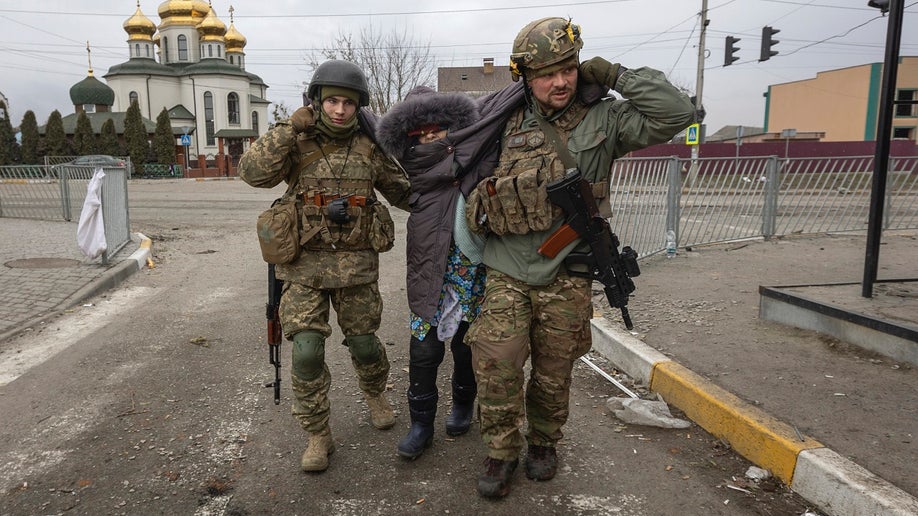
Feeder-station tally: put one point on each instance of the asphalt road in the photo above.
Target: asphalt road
(151, 401)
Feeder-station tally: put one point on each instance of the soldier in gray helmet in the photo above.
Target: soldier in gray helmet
(333, 170)
(534, 308)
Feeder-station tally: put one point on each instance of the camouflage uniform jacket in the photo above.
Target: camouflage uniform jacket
(332, 255)
(596, 134)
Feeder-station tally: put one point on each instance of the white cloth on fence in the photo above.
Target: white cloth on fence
(91, 229)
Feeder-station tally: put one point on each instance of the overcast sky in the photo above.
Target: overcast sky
(42, 43)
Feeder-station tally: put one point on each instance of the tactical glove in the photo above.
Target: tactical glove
(303, 119)
(598, 70)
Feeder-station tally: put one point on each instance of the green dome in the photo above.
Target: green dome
(92, 91)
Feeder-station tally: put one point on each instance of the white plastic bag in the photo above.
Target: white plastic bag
(91, 229)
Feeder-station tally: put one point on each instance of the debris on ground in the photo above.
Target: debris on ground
(645, 412)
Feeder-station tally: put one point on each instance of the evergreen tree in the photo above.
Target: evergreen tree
(108, 140)
(164, 140)
(83, 138)
(56, 143)
(9, 149)
(135, 137)
(30, 139)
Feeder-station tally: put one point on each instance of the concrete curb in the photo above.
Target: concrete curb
(823, 477)
(112, 277)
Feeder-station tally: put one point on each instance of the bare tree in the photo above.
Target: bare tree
(394, 63)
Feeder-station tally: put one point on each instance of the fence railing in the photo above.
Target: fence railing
(704, 201)
(715, 200)
(59, 191)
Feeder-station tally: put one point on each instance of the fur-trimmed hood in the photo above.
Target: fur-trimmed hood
(423, 106)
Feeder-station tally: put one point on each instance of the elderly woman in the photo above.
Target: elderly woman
(447, 143)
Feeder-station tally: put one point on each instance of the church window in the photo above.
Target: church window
(255, 121)
(89, 108)
(219, 51)
(209, 117)
(132, 97)
(136, 49)
(231, 60)
(232, 108)
(210, 51)
(182, 48)
(148, 49)
(165, 49)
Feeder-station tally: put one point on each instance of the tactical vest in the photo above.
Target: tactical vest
(515, 199)
(340, 169)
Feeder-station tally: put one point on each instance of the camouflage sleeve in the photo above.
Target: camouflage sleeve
(270, 159)
(391, 181)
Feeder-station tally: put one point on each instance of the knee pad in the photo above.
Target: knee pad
(364, 348)
(308, 355)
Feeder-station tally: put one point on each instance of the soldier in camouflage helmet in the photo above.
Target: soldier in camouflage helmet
(535, 307)
(333, 169)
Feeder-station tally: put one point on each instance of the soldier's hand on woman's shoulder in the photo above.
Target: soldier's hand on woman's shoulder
(303, 119)
(599, 71)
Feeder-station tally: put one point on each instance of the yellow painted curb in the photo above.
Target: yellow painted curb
(762, 439)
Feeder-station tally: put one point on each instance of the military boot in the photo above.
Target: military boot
(321, 445)
(541, 462)
(380, 412)
(495, 481)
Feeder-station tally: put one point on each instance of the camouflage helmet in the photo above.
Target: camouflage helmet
(343, 74)
(543, 43)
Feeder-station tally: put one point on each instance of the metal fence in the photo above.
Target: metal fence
(708, 200)
(59, 191)
(726, 199)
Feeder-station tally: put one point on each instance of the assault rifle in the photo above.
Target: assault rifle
(603, 263)
(275, 335)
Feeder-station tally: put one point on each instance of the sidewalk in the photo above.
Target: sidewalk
(832, 422)
(43, 272)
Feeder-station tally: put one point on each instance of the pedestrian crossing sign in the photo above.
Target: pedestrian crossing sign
(186, 140)
(691, 134)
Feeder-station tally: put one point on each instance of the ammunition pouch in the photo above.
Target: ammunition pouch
(341, 225)
(278, 234)
(513, 204)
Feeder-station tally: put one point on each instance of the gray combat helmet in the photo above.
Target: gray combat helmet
(343, 74)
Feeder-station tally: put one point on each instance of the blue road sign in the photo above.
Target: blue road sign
(691, 134)
(186, 140)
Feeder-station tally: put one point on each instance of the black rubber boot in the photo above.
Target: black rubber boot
(464, 387)
(423, 410)
(460, 416)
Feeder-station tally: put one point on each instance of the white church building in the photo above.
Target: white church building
(192, 65)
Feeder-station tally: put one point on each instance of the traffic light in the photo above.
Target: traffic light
(730, 49)
(768, 41)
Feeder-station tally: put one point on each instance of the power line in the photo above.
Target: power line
(346, 15)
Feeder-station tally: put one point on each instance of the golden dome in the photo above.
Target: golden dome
(211, 28)
(235, 41)
(182, 12)
(139, 27)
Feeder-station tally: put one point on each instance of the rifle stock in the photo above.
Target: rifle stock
(603, 263)
(275, 333)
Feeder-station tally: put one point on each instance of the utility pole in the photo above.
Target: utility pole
(699, 85)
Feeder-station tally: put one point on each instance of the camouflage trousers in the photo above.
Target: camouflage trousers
(550, 323)
(359, 312)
